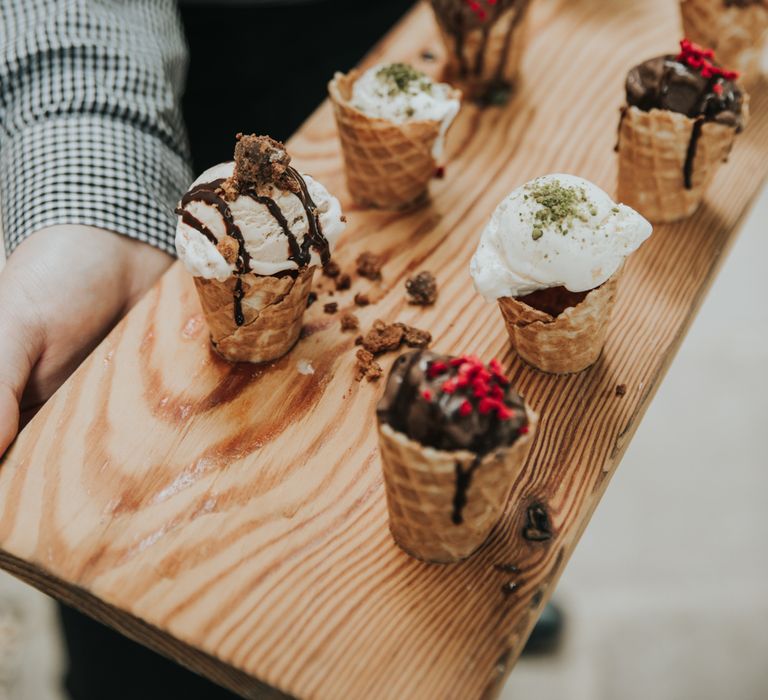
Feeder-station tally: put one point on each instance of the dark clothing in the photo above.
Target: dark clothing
(270, 76)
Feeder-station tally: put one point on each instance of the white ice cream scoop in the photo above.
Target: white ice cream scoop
(261, 223)
(399, 93)
(556, 230)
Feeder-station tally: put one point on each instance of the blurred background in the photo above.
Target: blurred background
(665, 595)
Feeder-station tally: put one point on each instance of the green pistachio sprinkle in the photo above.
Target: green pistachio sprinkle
(615, 210)
(559, 206)
(400, 76)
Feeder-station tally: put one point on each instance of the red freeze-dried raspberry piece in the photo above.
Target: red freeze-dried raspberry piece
(485, 406)
(702, 60)
(504, 412)
(435, 369)
(484, 384)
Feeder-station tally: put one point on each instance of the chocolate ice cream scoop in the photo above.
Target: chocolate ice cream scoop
(689, 83)
(452, 403)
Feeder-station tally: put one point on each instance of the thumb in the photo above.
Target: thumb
(20, 347)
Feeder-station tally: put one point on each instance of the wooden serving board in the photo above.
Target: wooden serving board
(233, 517)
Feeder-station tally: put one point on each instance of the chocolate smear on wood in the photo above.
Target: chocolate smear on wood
(509, 587)
(537, 527)
(506, 568)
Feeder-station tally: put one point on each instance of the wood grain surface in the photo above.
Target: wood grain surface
(233, 517)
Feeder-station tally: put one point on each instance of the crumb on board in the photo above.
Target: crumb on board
(367, 367)
(415, 337)
(369, 265)
(422, 289)
(386, 337)
(621, 389)
(349, 322)
(383, 337)
(343, 281)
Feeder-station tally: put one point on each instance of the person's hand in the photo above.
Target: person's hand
(61, 292)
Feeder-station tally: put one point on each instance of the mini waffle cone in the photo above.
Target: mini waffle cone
(566, 343)
(652, 152)
(738, 35)
(421, 484)
(489, 61)
(388, 165)
(273, 308)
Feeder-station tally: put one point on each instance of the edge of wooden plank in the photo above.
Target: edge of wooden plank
(141, 632)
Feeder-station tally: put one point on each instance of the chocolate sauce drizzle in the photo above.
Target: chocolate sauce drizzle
(207, 192)
(463, 482)
(195, 223)
(690, 155)
(301, 254)
(238, 299)
(314, 238)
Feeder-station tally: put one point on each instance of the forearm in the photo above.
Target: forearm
(90, 129)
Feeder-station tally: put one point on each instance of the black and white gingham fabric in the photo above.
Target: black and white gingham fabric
(90, 127)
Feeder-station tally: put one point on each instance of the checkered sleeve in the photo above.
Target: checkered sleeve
(90, 125)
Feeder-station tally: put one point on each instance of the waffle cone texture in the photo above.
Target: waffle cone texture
(563, 344)
(273, 308)
(738, 35)
(388, 165)
(421, 486)
(653, 147)
(479, 62)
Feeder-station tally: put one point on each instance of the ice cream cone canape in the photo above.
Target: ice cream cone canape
(736, 30)
(552, 256)
(252, 233)
(485, 41)
(454, 436)
(679, 124)
(392, 122)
